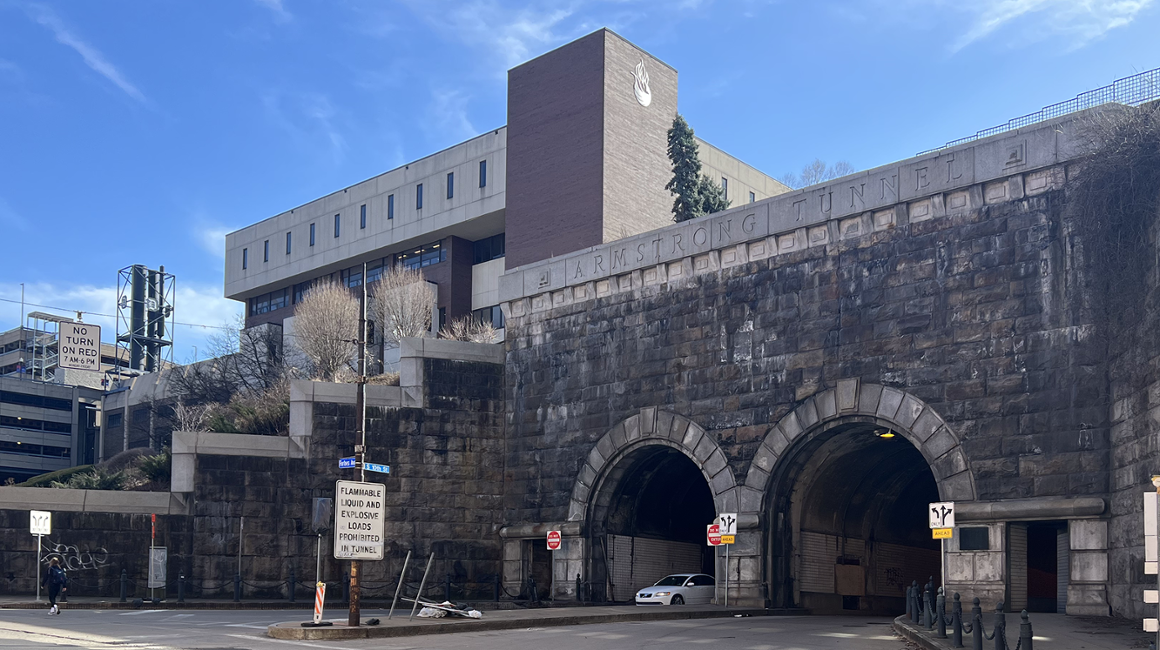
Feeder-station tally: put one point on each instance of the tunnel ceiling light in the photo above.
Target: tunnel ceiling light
(884, 433)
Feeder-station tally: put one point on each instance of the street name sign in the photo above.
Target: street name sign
(713, 534)
(359, 520)
(79, 346)
(346, 463)
(553, 540)
(942, 515)
(375, 467)
(40, 522)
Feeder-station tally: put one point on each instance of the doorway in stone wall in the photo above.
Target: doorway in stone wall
(1037, 560)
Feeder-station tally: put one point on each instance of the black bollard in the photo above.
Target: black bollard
(1000, 632)
(293, 583)
(928, 605)
(909, 604)
(940, 611)
(914, 608)
(237, 587)
(1025, 634)
(346, 588)
(976, 626)
(957, 622)
(181, 587)
(498, 586)
(124, 584)
(579, 598)
(447, 589)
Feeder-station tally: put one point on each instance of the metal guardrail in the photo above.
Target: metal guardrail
(1130, 91)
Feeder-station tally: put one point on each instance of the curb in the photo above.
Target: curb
(907, 630)
(113, 604)
(294, 631)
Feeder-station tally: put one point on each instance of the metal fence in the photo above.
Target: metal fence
(1130, 91)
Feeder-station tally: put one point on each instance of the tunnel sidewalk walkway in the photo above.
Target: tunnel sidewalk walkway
(1050, 632)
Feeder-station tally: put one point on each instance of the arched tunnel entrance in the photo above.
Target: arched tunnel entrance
(648, 520)
(848, 521)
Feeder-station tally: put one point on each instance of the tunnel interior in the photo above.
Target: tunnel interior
(850, 523)
(648, 520)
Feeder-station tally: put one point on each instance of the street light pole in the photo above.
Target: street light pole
(361, 433)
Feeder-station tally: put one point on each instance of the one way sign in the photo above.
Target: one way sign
(942, 515)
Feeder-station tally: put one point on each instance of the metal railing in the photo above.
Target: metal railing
(928, 610)
(1130, 91)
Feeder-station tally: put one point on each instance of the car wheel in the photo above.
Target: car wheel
(677, 600)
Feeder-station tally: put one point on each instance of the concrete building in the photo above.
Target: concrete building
(581, 162)
(45, 427)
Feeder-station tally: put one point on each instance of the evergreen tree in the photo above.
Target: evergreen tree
(712, 196)
(686, 182)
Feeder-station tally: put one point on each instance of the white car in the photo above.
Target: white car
(678, 589)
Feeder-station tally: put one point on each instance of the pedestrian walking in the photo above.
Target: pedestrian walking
(55, 580)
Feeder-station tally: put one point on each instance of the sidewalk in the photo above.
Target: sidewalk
(304, 602)
(505, 620)
(1051, 632)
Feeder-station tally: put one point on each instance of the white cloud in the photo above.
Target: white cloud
(199, 310)
(307, 118)
(212, 238)
(512, 35)
(1078, 21)
(9, 218)
(449, 108)
(92, 57)
(277, 8)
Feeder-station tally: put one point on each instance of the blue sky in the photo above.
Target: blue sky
(141, 131)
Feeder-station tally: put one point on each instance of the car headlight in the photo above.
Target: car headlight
(662, 593)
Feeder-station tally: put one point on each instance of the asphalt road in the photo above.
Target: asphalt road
(230, 630)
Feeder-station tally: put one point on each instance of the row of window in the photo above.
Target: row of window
(486, 250)
(34, 425)
(27, 449)
(493, 315)
(362, 219)
(725, 190)
(24, 399)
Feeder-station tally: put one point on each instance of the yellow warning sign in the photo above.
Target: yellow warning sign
(942, 533)
(728, 539)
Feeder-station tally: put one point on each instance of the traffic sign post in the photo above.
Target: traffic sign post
(553, 540)
(359, 520)
(728, 528)
(941, 517)
(79, 346)
(39, 524)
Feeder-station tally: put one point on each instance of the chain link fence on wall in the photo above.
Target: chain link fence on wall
(1129, 91)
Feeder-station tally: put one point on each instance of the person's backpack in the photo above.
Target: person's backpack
(57, 577)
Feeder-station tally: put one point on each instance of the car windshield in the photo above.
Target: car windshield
(672, 581)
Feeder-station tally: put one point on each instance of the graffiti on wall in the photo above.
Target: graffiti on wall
(73, 558)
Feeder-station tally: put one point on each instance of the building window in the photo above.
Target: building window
(483, 173)
(287, 243)
(362, 216)
(450, 185)
(725, 188)
(301, 290)
(390, 206)
(488, 249)
(336, 222)
(311, 234)
(245, 258)
(752, 197)
(442, 317)
(375, 270)
(493, 315)
(422, 256)
(353, 277)
(266, 251)
(419, 196)
(269, 302)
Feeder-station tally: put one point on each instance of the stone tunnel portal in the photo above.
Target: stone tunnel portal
(848, 524)
(648, 521)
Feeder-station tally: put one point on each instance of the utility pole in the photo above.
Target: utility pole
(361, 434)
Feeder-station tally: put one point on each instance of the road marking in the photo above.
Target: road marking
(174, 617)
(251, 637)
(144, 611)
(252, 625)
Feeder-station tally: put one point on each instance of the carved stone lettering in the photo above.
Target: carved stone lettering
(798, 206)
(598, 264)
(856, 199)
(891, 182)
(677, 245)
(700, 236)
(749, 223)
(920, 179)
(825, 202)
(951, 168)
(618, 260)
(723, 227)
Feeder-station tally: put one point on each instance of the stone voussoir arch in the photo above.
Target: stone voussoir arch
(908, 416)
(652, 426)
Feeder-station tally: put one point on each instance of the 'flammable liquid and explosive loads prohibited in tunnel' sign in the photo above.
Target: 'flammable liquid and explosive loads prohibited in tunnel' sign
(358, 520)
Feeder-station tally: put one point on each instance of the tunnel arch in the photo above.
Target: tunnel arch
(643, 497)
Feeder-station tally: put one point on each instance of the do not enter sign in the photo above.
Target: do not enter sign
(713, 534)
(553, 540)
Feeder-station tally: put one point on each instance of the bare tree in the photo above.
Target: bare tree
(817, 172)
(190, 417)
(469, 329)
(326, 328)
(401, 305)
(245, 361)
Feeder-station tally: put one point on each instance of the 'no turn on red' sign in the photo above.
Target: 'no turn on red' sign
(713, 534)
(553, 540)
